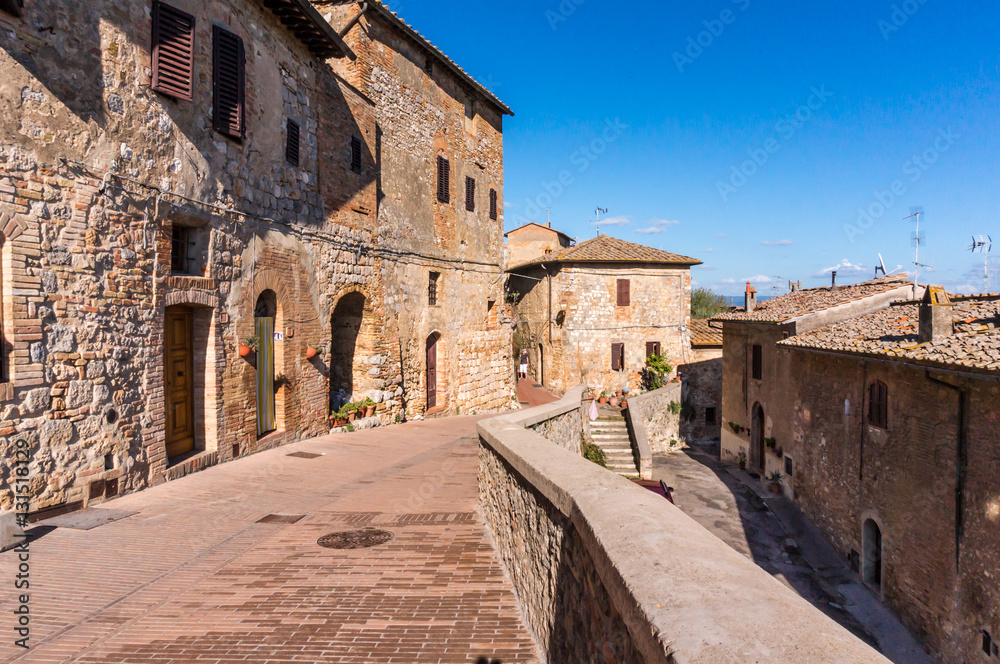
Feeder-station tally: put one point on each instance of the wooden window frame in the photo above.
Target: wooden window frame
(878, 404)
(443, 180)
(470, 193)
(356, 155)
(226, 44)
(493, 204)
(653, 348)
(618, 357)
(170, 56)
(624, 292)
(757, 362)
(293, 134)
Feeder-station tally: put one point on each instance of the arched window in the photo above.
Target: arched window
(878, 405)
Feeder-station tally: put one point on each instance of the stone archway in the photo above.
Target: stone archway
(871, 564)
(267, 322)
(349, 341)
(432, 379)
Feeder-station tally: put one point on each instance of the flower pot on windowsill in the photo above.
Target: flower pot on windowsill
(245, 350)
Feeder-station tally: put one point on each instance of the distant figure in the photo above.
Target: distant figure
(523, 373)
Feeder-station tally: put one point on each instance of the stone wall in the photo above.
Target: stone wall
(567, 429)
(936, 553)
(702, 381)
(660, 425)
(607, 571)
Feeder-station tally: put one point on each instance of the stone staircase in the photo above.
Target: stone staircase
(610, 433)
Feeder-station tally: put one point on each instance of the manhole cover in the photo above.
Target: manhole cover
(305, 455)
(355, 539)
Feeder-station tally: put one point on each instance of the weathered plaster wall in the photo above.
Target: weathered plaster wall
(702, 380)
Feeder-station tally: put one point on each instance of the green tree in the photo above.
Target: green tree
(706, 304)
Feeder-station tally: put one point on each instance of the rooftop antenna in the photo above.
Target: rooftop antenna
(598, 222)
(917, 240)
(983, 243)
(548, 217)
(777, 285)
(881, 267)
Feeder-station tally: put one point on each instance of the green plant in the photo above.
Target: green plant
(399, 418)
(654, 374)
(776, 478)
(513, 297)
(348, 427)
(706, 304)
(735, 427)
(771, 443)
(604, 394)
(688, 411)
(253, 341)
(592, 452)
(741, 458)
(674, 407)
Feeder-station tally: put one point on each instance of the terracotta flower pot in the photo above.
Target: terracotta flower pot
(245, 350)
(311, 352)
(339, 422)
(775, 488)
(603, 400)
(369, 411)
(743, 465)
(351, 416)
(614, 402)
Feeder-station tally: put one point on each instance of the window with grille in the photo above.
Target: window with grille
(355, 154)
(432, 288)
(618, 357)
(179, 241)
(624, 294)
(493, 204)
(758, 362)
(710, 415)
(653, 348)
(443, 180)
(229, 67)
(173, 51)
(292, 143)
(878, 405)
(470, 194)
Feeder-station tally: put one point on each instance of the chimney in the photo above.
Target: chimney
(750, 298)
(833, 280)
(794, 286)
(936, 320)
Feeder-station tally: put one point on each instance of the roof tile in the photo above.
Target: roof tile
(605, 249)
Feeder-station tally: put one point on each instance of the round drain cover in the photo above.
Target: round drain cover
(355, 539)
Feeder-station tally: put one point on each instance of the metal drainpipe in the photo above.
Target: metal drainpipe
(353, 21)
(962, 460)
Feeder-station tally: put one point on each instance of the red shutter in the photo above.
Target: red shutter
(623, 293)
(227, 51)
(292, 143)
(173, 51)
(443, 183)
(493, 204)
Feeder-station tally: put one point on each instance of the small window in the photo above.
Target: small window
(878, 405)
(429, 65)
(292, 143)
(653, 348)
(172, 51)
(491, 311)
(355, 154)
(229, 67)
(470, 194)
(432, 288)
(623, 292)
(618, 357)
(493, 204)
(443, 180)
(758, 362)
(789, 466)
(710, 415)
(179, 241)
(990, 646)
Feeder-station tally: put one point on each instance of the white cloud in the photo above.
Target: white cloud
(760, 278)
(844, 267)
(727, 281)
(967, 289)
(777, 243)
(611, 221)
(707, 251)
(657, 226)
(721, 235)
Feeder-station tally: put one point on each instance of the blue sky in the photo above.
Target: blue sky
(767, 141)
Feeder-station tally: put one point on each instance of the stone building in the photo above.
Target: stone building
(533, 240)
(701, 378)
(893, 420)
(593, 312)
(757, 384)
(178, 178)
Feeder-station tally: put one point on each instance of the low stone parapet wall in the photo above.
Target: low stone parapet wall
(606, 571)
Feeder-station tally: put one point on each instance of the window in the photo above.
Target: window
(491, 311)
(878, 405)
(443, 180)
(653, 348)
(228, 64)
(710, 415)
(789, 466)
(618, 357)
(179, 249)
(623, 292)
(355, 154)
(173, 51)
(292, 143)
(990, 645)
(432, 288)
(493, 204)
(470, 194)
(758, 362)
(429, 65)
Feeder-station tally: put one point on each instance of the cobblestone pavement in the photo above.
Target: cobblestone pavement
(708, 492)
(195, 576)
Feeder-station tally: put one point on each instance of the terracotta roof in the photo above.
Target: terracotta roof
(892, 333)
(310, 28)
(702, 334)
(420, 39)
(792, 305)
(605, 249)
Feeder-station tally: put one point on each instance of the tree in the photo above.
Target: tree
(706, 304)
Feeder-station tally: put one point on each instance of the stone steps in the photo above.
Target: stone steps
(611, 435)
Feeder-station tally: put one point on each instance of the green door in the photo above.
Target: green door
(265, 375)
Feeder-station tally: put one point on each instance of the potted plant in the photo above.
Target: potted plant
(775, 480)
(312, 351)
(614, 402)
(603, 399)
(771, 444)
(249, 345)
(369, 407)
(741, 459)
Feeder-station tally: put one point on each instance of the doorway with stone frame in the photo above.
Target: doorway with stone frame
(351, 343)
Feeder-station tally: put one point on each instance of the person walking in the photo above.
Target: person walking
(524, 365)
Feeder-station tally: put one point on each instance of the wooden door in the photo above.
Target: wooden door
(757, 436)
(178, 379)
(432, 356)
(264, 328)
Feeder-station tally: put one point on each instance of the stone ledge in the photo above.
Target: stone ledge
(637, 425)
(684, 595)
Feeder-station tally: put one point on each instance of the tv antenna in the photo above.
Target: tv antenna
(777, 285)
(881, 267)
(598, 222)
(983, 243)
(917, 239)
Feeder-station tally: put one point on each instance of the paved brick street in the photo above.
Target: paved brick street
(193, 576)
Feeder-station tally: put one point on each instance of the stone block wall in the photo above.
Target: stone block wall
(661, 425)
(702, 381)
(567, 430)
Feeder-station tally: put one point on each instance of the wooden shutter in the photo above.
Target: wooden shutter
(292, 143)
(878, 405)
(758, 362)
(355, 154)
(617, 357)
(228, 59)
(652, 348)
(493, 204)
(470, 194)
(173, 51)
(443, 183)
(623, 292)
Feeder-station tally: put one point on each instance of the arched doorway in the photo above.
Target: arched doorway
(432, 363)
(345, 326)
(265, 314)
(541, 365)
(872, 563)
(757, 437)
